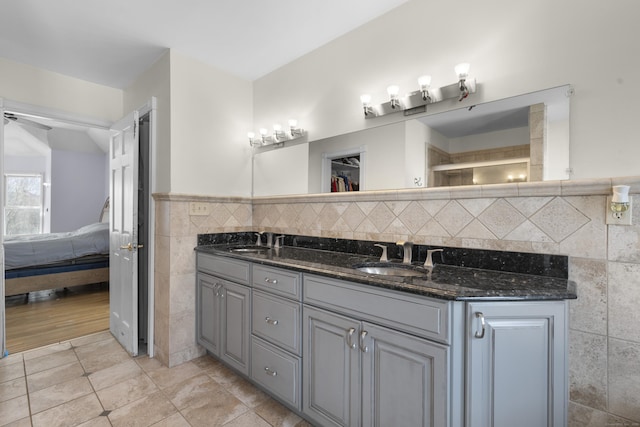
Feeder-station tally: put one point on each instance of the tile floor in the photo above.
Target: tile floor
(92, 381)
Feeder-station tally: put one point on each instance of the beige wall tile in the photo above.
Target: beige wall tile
(624, 379)
(588, 369)
(624, 300)
(588, 313)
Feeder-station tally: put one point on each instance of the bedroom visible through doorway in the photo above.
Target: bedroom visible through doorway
(56, 263)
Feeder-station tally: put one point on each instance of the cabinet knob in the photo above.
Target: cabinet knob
(271, 321)
(350, 342)
(270, 371)
(363, 347)
(272, 281)
(480, 334)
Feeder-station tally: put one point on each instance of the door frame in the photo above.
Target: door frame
(51, 113)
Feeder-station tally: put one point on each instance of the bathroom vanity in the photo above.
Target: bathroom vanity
(450, 346)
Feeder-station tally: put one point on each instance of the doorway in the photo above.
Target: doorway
(146, 209)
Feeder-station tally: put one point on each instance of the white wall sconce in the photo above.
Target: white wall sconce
(393, 91)
(425, 82)
(365, 98)
(462, 71)
(278, 137)
(620, 206)
(417, 101)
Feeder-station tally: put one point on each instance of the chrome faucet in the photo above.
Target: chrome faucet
(259, 238)
(269, 240)
(428, 263)
(279, 242)
(383, 255)
(407, 248)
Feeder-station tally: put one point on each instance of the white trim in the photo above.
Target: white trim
(151, 108)
(3, 341)
(54, 114)
(326, 166)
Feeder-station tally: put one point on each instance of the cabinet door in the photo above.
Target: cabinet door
(235, 325)
(331, 368)
(517, 364)
(207, 312)
(404, 379)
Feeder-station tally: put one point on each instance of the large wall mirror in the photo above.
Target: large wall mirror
(522, 138)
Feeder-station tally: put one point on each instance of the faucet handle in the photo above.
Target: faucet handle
(269, 239)
(383, 256)
(279, 243)
(259, 239)
(428, 263)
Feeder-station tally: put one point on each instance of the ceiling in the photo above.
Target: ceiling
(111, 42)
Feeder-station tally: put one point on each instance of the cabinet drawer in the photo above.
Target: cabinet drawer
(414, 314)
(228, 268)
(277, 320)
(277, 281)
(276, 371)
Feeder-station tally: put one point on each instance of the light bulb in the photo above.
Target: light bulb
(251, 135)
(277, 127)
(424, 82)
(293, 123)
(365, 98)
(263, 131)
(462, 70)
(393, 91)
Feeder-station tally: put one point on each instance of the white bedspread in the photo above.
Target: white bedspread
(39, 249)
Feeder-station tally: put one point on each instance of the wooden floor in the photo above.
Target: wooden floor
(48, 317)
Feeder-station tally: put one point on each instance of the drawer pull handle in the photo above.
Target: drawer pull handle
(480, 316)
(363, 347)
(272, 281)
(270, 371)
(271, 321)
(350, 342)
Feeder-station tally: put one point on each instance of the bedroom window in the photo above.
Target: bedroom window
(23, 204)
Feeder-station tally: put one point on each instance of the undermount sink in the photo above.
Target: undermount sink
(390, 270)
(250, 249)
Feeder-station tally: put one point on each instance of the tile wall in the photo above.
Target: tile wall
(565, 218)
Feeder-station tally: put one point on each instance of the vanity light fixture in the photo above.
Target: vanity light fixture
(417, 101)
(393, 91)
(278, 137)
(425, 82)
(462, 71)
(294, 129)
(365, 98)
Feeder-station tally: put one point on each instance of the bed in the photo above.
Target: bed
(56, 260)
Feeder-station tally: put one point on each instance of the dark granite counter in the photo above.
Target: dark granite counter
(443, 281)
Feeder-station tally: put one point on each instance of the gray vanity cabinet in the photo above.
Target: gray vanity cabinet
(276, 333)
(516, 364)
(207, 312)
(331, 368)
(357, 373)
(223, 315)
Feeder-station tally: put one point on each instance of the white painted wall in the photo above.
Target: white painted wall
(210, 117)
(156, 82)
(35, 86)
(513, 48)
(281, 171)
(77, 189)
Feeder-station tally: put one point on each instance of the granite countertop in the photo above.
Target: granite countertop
(443, 281)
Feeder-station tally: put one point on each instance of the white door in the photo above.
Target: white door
(123, 259)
